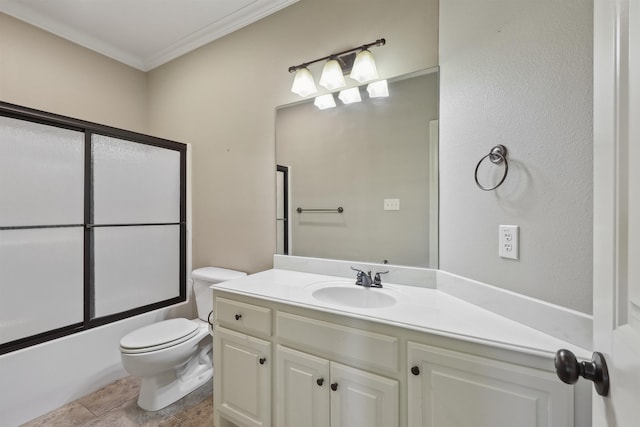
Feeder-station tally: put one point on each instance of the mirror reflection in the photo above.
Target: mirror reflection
(359, 182)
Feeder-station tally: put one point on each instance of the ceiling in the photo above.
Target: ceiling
(141, 33)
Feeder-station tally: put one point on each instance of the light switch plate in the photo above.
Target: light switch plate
(391, 204)
(509, 242)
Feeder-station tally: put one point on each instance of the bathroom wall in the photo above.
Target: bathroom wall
(42, 71)
(221, 98)
(518, 73)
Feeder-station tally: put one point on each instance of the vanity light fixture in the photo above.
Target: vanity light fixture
(332, 76)
(303, 83)
(349, 96)
(325, 101)
(363, 69)
(378, 89)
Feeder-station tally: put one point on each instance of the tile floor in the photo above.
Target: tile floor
(115, 405)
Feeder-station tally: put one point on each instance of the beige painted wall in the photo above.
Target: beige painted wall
(221, 98)
(42, 71)
(519, 73)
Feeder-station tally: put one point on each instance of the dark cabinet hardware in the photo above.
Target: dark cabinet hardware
(320, 381)
(238, 316)
(415, 370)
(334, 386)
(262, 360)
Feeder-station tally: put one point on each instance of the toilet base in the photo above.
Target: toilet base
(159, 391)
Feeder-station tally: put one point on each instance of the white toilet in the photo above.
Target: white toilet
(174, 356)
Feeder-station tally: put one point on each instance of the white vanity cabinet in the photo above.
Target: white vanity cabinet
(453, 389)
(278, 364)
(315, 392)
(242, 364)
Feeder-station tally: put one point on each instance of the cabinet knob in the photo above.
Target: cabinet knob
(320, 381)
(569, 369)
(238, 316)
(334, 386)
(415, 370)
(262, 360)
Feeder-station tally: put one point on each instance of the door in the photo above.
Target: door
(616, 290)
(362, 399)
(242, 382)
(302, 387)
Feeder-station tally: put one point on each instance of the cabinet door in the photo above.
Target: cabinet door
(242, 379)
(451, 389)
(302, 387)
(361, 399)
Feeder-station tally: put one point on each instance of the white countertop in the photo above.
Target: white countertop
(423, 309)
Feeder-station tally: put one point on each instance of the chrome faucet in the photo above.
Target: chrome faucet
(364, 279)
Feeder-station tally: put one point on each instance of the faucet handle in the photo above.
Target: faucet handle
(377, 280)
(360, 272)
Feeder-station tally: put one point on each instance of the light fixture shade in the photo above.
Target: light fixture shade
(349, 96)
(364, 67)
(303, 83)
(378, 89)
(325, 101)
(332, 77)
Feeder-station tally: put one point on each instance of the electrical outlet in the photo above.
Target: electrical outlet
(391, 204)
(509, 242)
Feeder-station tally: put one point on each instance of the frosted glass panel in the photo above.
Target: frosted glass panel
(41, 280)
(134, 183)
(42, 174)
(135, 266)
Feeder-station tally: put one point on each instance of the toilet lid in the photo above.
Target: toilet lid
(156, 334)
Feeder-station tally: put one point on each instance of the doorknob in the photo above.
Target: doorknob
(569, 369)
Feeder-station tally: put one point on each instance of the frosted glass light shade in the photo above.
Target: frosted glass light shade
(364, 67)
(349, 96)
(303, 83)
(325, 101)
(332, 77)
(378, 89)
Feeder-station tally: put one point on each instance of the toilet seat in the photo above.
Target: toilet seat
(158, 336)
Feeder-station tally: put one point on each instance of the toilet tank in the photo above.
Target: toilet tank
(203, 278)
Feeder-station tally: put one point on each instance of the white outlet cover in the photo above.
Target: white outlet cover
(509, 242)
(391, 204)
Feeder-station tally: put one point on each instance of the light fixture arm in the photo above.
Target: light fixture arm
(379, 42)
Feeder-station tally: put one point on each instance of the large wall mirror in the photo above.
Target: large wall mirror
(359, 182)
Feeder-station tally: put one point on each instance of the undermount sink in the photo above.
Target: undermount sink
(354, 296)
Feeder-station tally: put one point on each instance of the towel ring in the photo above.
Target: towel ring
(497, 155)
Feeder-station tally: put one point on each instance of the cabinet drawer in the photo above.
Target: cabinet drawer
(337, 342)
(243, 317)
